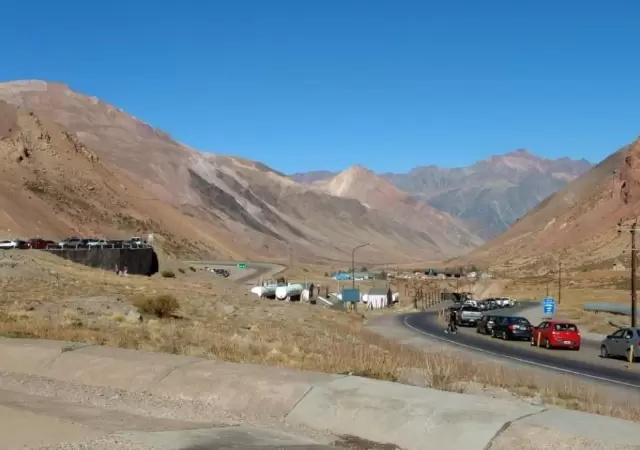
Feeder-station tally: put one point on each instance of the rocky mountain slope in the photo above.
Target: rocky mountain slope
(578, 223)
(219, 205)
(488, 196)
(52, 185)
(377, 193)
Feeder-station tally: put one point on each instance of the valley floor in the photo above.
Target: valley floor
(199, 314)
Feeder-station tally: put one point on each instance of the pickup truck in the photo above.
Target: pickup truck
(469, 315)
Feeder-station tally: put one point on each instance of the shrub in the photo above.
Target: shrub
(162, 305)
(191, 268)
(181, 270)
(168, 274)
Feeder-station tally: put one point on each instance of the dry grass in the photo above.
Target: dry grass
(162, 305)
(216, 320)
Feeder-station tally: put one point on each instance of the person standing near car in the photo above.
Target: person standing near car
(452, 326)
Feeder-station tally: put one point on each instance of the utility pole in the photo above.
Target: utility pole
(634, 264)
(547, 288)
(559, 281)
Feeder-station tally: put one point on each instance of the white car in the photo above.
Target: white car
(97, 243)
(8, 244)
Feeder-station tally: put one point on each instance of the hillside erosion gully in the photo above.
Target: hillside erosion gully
(201, 390)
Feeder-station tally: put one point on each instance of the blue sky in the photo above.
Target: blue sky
(315, 84)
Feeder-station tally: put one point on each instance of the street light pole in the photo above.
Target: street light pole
(353, 264)
(634, 265)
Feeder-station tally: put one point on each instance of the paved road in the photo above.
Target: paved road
(250, 275)
(585, 363)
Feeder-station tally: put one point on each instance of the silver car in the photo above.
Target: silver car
(621, 343)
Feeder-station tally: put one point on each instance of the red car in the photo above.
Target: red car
(39, 244)
(556, 334)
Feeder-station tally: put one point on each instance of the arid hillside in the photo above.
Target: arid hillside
(52, 185)
(577, 224)
(224, 206)
(377, 193)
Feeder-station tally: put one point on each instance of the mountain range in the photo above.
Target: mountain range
(489, 196)
(578, 225)
(74, 164)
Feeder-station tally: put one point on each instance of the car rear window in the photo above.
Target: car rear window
(470, 308)
(565, 327)
(519, 320)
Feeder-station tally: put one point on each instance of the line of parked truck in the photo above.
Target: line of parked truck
(72, 242)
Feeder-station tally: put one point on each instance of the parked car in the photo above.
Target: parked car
(8, 244)
(469, 316)
(512, 327)
(553, 334)
(97, 243)
(486, 323)
(70, 242)
(621, 343)
(39, 244)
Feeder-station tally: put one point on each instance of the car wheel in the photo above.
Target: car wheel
(478, 330)
(577, 349)
(547, 344)
(604, 353)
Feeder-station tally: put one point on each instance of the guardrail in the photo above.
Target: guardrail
(89, 247)
(606, 307)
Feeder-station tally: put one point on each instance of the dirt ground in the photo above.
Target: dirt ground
(199, 314)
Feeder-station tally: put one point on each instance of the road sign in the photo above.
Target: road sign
(549, 306)
(241, 266)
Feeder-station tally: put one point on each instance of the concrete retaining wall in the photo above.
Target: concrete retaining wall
(408, 416)
(139, 261)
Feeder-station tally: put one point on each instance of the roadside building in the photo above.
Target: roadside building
(342, 276)
(379, 298)
(309, 291)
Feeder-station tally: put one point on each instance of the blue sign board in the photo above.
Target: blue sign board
(549, 306)
(351, 295)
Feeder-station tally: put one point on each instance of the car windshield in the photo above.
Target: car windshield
(565, 327)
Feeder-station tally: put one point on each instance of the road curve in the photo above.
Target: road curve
(255, 270)
(585, 363)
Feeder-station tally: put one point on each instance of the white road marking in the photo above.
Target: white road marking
(521, 360)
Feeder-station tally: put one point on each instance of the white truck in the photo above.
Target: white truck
(469, 315)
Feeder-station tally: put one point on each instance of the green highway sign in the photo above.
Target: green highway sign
(241, 266)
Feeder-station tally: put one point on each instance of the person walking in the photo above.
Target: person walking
(452, 326)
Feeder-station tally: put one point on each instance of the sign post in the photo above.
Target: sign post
(241, 266)
(549, 306)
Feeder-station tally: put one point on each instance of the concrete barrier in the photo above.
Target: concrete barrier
(408, 416)
(139, 261)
